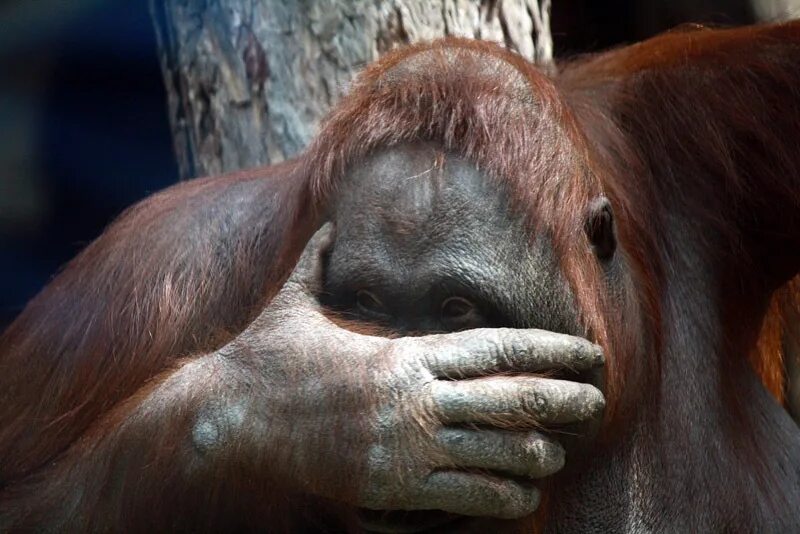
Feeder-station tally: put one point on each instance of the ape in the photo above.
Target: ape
(139, 392)
(692, 137)
(129, 398)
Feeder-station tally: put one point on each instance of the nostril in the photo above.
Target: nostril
(455, 308)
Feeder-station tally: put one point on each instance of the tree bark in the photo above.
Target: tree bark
(248, 82)
(772, 10)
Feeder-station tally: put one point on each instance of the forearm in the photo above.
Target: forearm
(155, 450)
(177, 274)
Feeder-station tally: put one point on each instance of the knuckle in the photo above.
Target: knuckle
(535, 401)
(413, 361)
(506, 350)
(494, 349)
(452, 437)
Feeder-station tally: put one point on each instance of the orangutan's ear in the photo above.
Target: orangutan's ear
(600, 228)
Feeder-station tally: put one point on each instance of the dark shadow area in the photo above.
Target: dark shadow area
(581, 26)
(83, 117)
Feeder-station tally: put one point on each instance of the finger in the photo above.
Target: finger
(528, 454)
(298, 294)
(516, 401)
(308, 271)
(310, 260)
(485, 351)
(479, 495)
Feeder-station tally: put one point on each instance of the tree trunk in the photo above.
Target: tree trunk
(772, 10)
(248, 81)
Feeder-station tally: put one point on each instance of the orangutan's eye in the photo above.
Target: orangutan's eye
(456, 308)
(368, 303)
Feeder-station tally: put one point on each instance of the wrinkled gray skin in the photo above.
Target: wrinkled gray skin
(438, 422)
(414, 466)
(413, 236)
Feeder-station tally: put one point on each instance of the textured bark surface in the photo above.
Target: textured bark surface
(771, 10)
(248, 81)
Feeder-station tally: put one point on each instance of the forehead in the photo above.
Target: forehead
(419, 196)
(412, 216)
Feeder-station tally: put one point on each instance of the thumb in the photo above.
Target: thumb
(308, 272)
(298, 296)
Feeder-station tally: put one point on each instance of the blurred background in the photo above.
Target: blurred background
(84, 128)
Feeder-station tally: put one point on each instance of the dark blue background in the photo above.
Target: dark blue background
(101, 133)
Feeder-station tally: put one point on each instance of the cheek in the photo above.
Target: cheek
(545, 301)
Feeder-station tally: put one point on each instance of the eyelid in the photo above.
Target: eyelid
(379, 310)
(467, 304)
